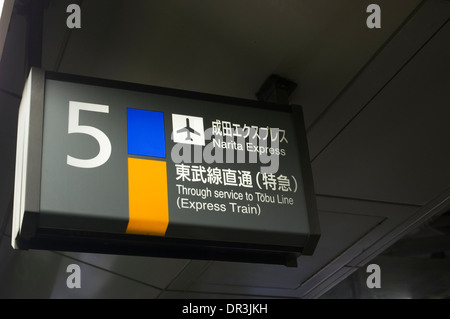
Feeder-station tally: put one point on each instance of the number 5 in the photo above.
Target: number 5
(74, 127)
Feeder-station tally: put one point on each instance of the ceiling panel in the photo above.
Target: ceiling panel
(206, 295)
(157, 272)
(429, 17)
(401, 278)
(43, 274)
(225, 48)
(396, 150)
(257, 279)
(326, 63)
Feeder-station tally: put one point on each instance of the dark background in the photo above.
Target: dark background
(376, 108)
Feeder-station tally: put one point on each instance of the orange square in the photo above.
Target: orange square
(147, 196)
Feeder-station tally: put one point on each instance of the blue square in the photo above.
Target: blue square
(146, 133)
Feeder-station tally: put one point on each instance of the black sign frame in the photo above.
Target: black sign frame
(27, 233)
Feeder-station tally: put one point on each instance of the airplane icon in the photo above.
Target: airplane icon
(189, 130)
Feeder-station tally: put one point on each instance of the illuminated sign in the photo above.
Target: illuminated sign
(115, 167)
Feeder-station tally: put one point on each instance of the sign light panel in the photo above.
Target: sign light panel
(115, 167)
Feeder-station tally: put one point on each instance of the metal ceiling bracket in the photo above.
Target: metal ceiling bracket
(276, 90)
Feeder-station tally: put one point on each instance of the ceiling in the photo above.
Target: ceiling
(376, 106)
